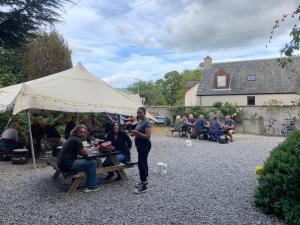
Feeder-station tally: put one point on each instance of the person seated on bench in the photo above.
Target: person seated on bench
(9, 139)
(199, 126)
(184, 125)
(215, 130)
(51, 136)
(68, 162)
(69, 126)
(120, 142)
(177, 126)
(228, 127)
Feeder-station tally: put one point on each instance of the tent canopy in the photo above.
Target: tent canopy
(72, 90)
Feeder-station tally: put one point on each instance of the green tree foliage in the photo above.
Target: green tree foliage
(47, 54)
(278, 190)
(151, 91)
(11, 67)
(171, 85)
(167, 91)
(19, 19)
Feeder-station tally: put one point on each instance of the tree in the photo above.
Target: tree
(151, 91)
(11, 67)
(171, 85)
(19, 19)
(289, 49)
(47, 54)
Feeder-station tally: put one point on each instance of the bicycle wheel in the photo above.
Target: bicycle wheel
(269, 130)
(284, 131)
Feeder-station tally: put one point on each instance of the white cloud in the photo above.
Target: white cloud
(121, 44)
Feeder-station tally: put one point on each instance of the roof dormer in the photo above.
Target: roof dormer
(222, 79)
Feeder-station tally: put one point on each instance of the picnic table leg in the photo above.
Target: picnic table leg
(56, 174)
(99, 163)
(74, 184)
(121, 172)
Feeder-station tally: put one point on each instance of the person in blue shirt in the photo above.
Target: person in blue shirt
(199, 126)
(228, 127)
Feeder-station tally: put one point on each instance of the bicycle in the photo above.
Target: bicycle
(269, 129)
(288, 127)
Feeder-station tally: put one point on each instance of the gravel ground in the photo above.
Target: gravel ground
(207, 183)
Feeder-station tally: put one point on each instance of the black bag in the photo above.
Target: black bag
(223, 140)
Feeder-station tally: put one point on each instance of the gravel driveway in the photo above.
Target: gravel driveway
(208, 183)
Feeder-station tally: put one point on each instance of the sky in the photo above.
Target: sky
(124, 41)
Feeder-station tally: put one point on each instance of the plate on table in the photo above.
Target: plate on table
(94, 152)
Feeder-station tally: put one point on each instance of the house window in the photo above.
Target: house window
(250, 100)
(221, 81)
(251, 77)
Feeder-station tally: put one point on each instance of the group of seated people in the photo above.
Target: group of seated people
(197, 128)
(68, 161)
(46, 136)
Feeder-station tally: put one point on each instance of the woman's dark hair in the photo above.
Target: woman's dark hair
(120, 128)
(143, 109)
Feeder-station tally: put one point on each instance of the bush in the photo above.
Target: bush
(4, 118)
(278, 189)
(226, 108)
(196, 111)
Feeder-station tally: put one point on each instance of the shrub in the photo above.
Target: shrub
(196, 111)
(278, 189)
(226, 108)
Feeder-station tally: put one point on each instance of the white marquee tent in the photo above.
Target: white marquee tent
(72, 90)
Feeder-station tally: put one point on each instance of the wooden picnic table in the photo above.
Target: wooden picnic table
(78, 177)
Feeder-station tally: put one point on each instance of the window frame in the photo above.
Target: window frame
(250, 98)
(224, 81)
(251, 79)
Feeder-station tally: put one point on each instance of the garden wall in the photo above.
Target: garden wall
(253, 118)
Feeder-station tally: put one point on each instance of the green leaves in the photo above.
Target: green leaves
(22, 18)
(278, 189)
(47, 54)
(167, 91)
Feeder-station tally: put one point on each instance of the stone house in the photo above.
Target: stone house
(247, 83)
(191, 88)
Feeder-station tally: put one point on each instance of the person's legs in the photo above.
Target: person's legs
(107, 162)
(89, 167)
(143, 151)
(230, 132)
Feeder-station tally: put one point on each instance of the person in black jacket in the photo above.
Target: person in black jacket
(120, 142)
(70, 125)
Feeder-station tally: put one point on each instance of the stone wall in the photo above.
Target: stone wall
(254, 118)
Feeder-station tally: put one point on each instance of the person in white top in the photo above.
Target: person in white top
(9, 139)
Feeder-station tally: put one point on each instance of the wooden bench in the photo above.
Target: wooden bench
(174, 131)
(78, 177)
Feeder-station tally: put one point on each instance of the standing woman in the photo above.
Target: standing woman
(142, 134)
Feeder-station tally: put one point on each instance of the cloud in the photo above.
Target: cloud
(120, 41)
(223, 24)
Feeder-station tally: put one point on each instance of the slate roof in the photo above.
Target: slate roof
(270, 78)
(190, 84)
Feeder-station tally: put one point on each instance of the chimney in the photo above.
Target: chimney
(207, 62)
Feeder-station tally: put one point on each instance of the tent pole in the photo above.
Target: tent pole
(31, 140)
(7, 124)
(77, 120)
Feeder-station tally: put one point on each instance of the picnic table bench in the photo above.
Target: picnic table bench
(174, 131)
(78, 177)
